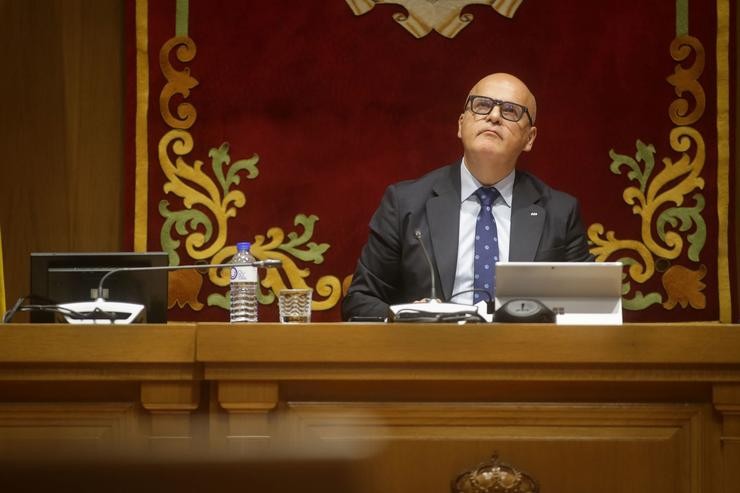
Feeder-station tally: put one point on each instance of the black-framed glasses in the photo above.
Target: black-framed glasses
(483, 105)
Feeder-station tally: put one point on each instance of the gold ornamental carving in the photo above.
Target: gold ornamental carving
(444, 16)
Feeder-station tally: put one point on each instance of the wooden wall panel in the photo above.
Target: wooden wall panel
(61, 130)
(736, 168)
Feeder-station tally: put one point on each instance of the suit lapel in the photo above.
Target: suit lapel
(443, 216)
(527, 220)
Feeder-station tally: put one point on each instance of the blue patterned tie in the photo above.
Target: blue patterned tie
(486, 245)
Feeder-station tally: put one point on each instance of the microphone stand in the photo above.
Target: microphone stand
(102, 311)
(432, 309)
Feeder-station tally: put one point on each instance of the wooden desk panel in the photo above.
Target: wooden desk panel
(97, 388)
(610, 409)
(90, 344)
(532, 345)
(606, 409)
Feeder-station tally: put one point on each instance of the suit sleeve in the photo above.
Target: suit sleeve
(377, 278)
(576, 245)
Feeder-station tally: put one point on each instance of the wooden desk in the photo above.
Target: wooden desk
(609, 409)
(97, 387)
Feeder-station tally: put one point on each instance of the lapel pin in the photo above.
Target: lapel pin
(533, 213)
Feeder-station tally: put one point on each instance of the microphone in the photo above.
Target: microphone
(265, 264)
(417, 234)
(106, 312)
(433, 310)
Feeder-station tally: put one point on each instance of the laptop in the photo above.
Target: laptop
(578, 292)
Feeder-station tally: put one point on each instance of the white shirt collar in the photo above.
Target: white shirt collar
(469, 184)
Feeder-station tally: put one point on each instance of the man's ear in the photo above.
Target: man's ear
(530, 139)
(459, 126)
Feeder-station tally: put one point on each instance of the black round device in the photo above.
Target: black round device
(524, 311)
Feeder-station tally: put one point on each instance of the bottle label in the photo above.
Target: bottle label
(244, 274)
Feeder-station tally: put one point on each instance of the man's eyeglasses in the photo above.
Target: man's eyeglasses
(482, 105)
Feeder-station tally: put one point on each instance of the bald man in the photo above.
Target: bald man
(469, 215)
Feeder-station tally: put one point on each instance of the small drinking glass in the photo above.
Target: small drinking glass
(295, 305)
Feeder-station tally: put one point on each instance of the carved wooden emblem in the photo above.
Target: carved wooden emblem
(444, 16)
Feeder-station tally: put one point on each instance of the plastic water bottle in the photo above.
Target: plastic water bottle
(244, 279)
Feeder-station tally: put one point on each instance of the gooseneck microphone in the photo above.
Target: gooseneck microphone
(265, 264)
(432, 310)
(417, 234)
(103, 311)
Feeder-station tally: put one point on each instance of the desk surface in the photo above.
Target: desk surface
(700, 352)
(63, 343)
(716, 344)
(712, 344)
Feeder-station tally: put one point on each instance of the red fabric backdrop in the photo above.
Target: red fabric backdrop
(338, 106)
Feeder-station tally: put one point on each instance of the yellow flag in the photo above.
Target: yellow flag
(2, 279)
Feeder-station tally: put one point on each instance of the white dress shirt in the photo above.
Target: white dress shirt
(469, 209)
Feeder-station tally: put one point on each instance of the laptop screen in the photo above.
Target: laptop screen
(584, 292)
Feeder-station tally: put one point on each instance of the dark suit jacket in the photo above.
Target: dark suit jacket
(545, 226)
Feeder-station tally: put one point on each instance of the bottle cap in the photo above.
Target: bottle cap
(243, 245)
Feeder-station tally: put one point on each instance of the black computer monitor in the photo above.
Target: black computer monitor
(74, 277)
